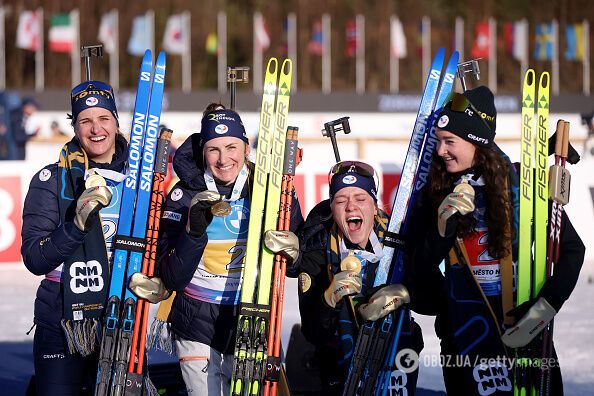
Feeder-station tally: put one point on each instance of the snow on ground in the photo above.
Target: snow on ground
(573, 329)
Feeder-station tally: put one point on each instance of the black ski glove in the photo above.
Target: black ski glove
(199, 215)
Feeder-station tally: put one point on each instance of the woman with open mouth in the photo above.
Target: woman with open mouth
(467, 216)
(341, 246)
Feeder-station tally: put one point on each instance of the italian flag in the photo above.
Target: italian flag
(62, 33)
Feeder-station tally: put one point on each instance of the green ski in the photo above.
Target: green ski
(252, 327)
(532, 249)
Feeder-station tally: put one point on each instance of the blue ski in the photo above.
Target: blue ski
(368, 342)
(120, 256)
(137, 246)
(128, 242)
(422, 172)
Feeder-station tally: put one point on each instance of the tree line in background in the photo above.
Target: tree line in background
(572, 55)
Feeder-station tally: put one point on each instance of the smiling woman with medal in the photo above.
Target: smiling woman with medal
(202, 246)
(69, 220)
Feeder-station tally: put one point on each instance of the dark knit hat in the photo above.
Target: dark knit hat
(92, 94)
(470, 115)
(221, 123)
(352, 178)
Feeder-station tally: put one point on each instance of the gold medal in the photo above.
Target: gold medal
(220, 209)
(350, 263)
(304, 282)
(95, 180)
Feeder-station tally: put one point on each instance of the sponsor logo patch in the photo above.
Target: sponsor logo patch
(443, 121)
(221, 129)
(177, 194)
(91, 101)
(44, 175)
(349, 179)
(172, 215)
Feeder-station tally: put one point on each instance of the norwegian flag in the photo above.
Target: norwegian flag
(28, 31)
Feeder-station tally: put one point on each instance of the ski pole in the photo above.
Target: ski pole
(89, 51)
(235, 75)
(137, 350)
(330, 129)
(273, 366)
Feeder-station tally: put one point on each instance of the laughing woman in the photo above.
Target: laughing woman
(339, 235)
(64, 234)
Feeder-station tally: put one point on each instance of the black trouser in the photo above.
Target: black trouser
(56, 371)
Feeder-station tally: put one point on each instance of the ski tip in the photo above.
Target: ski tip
(529, 77)
(544, 81)
(438, 60)
(148, 56)
(455, 57)
(287, 67)
(272, 66)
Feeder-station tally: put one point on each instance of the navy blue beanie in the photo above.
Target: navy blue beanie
(221, 123)
(353, 179)
(92, 94)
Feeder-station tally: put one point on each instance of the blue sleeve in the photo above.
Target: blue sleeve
(178, 252)
(47, 242)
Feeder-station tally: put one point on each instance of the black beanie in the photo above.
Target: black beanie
(467, 124)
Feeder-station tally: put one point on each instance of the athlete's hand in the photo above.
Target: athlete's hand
(460, 201)
(151, 289)
(199, 215)
(385, 300)
(88, 205)
(344, 283)
(283, 242)
(534, 317)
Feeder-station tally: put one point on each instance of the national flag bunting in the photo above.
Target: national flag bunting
(543, 50)
(107, 29)
(62, 33)
(316, 44)
(482, 41)
(174, 38)
(28, 30)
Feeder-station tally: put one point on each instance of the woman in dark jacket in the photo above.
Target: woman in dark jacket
(66, 241)
(201, 255)
(348, 228)
(474, 229)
